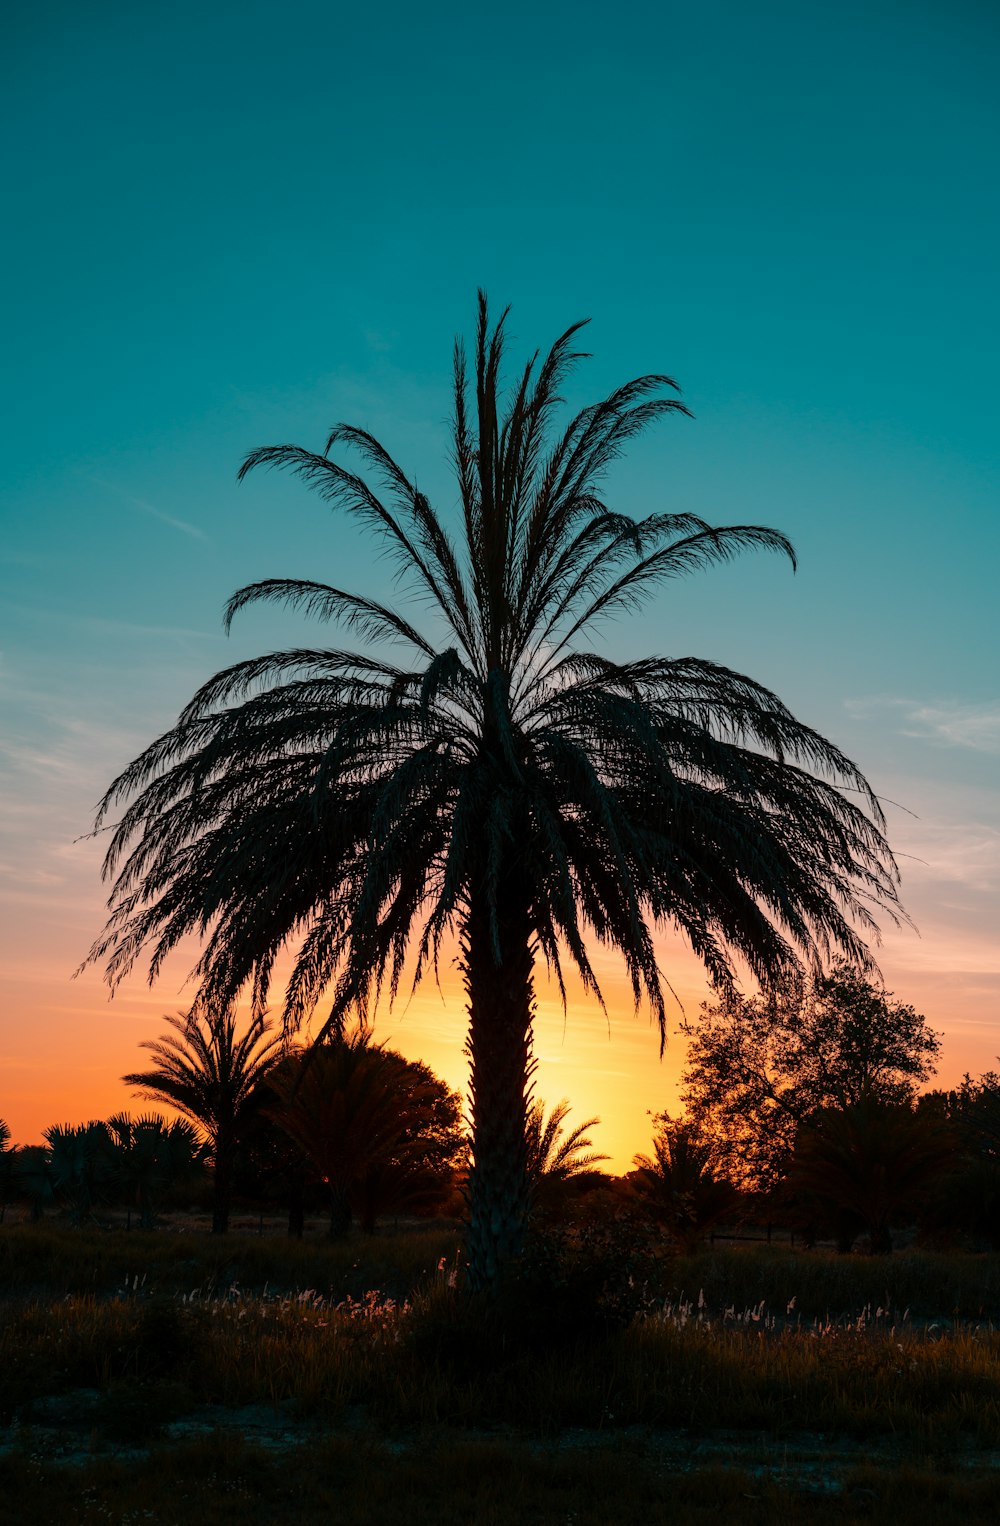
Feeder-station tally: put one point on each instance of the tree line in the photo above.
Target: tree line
(801, 1109)
(349, 1125)
(802, 1106)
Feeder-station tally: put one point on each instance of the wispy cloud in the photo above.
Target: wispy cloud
(141, 506)
(168, 519)
(129, 628)
(951, 723)
(942, 852)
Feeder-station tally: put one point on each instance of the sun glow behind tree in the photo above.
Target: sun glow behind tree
(507, 785)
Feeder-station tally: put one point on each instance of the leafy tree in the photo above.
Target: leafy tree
(150, 1155)
(555, 1157)
(383, 1132)
(973, 1109)
(863, 1164)
(213, 1075)
(489, 778)
(758, 1068)
(680, 1184)
(968, 1201)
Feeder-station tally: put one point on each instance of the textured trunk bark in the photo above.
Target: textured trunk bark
(501, 1008)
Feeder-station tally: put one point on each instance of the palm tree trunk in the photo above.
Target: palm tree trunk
(501, 1009)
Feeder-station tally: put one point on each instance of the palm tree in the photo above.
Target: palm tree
(381, 1131)
(680, 1185)
(865, 1163)
(33, 1176)
(150, 1154)
(555, 1158)
(487, 778)
(213, 1077)
(81, 1165)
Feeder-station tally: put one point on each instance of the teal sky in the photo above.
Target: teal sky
(231, 225)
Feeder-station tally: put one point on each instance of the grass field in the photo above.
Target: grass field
(158, 1377)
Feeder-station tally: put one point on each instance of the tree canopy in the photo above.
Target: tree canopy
(475, 769)
(759, 1067)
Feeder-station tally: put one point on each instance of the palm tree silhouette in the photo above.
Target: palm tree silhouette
(555, 1157)
(381, 1131)
(489, 779)
(33, 1178)
(867, 1162)
(81, 1165)
(149, 1154)
(213, 1076)
(680, 1185)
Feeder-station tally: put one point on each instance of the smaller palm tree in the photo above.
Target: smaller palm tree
(82, 1167)
(33, 1176)
(864, 1165)
(555, 1158)
(149, 1156)
(214, 1077)
(381, 1131)
(678, 1184)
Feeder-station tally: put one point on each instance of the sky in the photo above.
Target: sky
(234, 225)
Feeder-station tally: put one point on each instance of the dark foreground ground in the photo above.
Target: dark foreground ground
(178, 1381)
(250, 1470)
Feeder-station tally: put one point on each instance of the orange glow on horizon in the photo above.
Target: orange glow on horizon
(606, 1065)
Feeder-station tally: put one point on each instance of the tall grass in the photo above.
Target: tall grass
(379, 1331)
(931, 1285)
(403, 1365)
(46, 1260)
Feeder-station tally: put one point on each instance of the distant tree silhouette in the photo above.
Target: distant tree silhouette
(81, 1166)
(33, 1176)
(272, 1168)
(759, 1068)
(212, 1074)
(968, 1200)
(8, 1178)
(555, 1157)
(862, 1165)
(497, 783)
(384, 1133)
(680, 1184)
(149, 1155)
